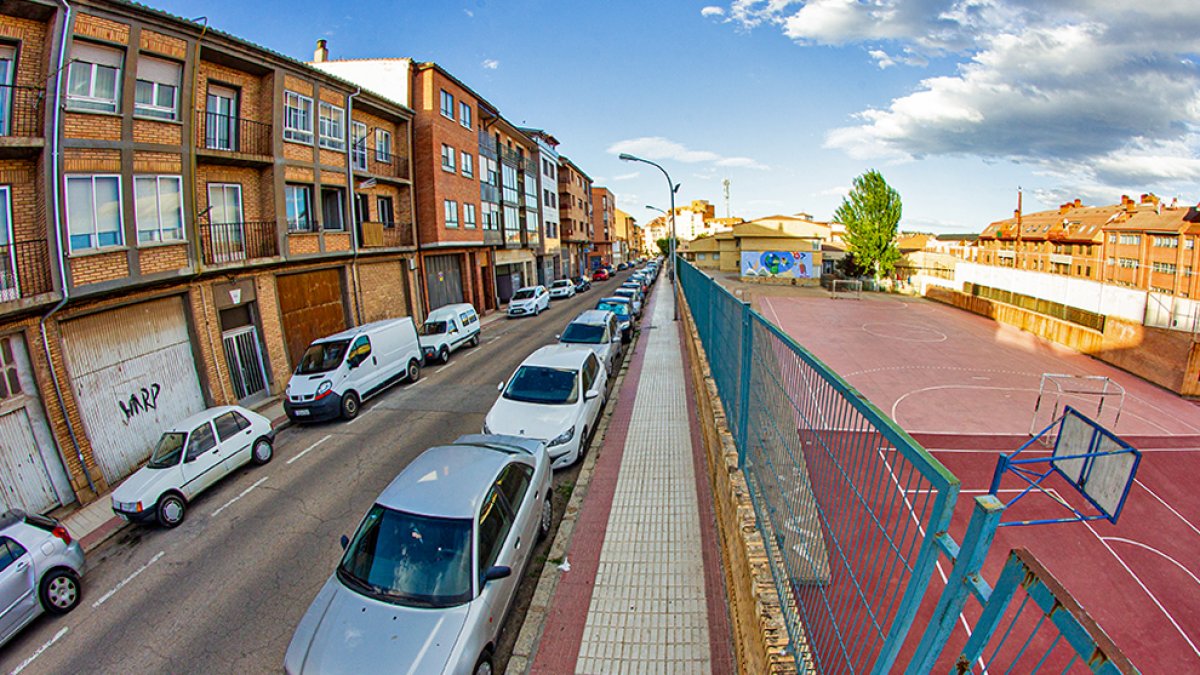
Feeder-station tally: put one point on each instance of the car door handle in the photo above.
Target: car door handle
(518, 545)
(22, 566)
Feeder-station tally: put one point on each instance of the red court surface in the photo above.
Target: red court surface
(965, 387)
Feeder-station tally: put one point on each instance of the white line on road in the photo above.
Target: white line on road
(360, 416)
(245, 492)
(104, 598)
(448, 365)
(26, 662)
(308, 449)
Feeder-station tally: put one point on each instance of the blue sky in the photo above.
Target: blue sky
(956, 102)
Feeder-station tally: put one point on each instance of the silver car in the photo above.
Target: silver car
(40, 566)
(425, 583)
(598, 330)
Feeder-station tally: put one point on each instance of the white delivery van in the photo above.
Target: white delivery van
(337, 373)
(447, 329)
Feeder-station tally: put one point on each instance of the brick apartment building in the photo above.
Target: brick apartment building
(623, 227)
(214, 207)
(575, 213)
(603, 207)
(549, 257)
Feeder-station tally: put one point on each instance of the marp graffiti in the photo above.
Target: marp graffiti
(140, 401)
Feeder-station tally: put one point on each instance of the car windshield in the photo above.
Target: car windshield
(322, 357)
(583, 333)
(619, 308)
(627, 292)
(166, 453)
(539, 384)
(561, 283)
(523, 294)
(433, 328)
(408, 559)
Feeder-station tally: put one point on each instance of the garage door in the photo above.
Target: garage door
(24, 478)
(134, 374)
(443, 279)
(310, 306)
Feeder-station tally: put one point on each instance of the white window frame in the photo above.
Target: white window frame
(448, 158)
(157, 233)
(157, 81)
(391, 210)
(358, 150)
(79, 62)
(464, 114)
(467, 162)
(383, 146)
(94, 241)
(297, 108)
(332, 126)
(450, 213)
(293, 225)
(468, 217)
(447, 111)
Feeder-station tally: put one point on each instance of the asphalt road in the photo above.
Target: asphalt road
(222, 592)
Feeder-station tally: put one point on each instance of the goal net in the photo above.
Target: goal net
(846, 288)
(1100, 396)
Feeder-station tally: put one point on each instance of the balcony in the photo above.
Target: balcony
(21, 124)
(229, 243)
(237, 140)
(379, 162)
(24, 270)
(381, 235)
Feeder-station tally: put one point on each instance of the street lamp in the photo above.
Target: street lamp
(672, 187)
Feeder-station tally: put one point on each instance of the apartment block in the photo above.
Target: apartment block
(603, 215)
(623, 226)
(549, 257)
(575, 213)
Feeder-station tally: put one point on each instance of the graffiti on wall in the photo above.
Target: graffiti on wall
(140, 401)
(779, 264)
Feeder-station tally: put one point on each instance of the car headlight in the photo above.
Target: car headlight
(564, 437)
(323, 390)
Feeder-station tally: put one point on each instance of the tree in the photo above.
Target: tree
(664, 245)
(871, 214)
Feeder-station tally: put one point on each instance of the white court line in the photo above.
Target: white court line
(1154, 550)
(245, 492)
(1169, 507)
(104, 598)
(309, 448)
(1147, 590)
(26, 662)
(1033, 449)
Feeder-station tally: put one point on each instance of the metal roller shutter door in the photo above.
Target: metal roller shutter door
(310, 307)
(443, 278)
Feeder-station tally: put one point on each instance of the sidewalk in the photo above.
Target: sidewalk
(644, 592)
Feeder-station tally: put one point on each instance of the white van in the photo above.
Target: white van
(338, 372)
(447, 329)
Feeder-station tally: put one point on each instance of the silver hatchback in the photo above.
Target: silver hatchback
(428, 577)
(40, 566)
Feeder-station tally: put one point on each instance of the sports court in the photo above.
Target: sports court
(966, 388)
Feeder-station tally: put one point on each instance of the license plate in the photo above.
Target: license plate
(301, 412)
(124, 517)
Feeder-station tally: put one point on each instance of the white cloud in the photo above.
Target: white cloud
(469, 13)
(836, 191)
(626, 176)
(490, 64)
(657, 147)
(712, 11)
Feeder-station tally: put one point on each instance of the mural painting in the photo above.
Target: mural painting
(779, 264)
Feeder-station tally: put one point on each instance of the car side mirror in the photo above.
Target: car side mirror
(558, 336)
(345, 542)
(592, 393)
(500, 387)
(497, 572)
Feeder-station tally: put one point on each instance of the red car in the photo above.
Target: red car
(600, 274)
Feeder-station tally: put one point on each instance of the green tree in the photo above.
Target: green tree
(664, 245)
(871, 214)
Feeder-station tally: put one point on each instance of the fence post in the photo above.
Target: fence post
(965, 575)
(747, 354)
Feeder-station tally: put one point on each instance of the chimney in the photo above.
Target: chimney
(1063, 208)
(1078, 203)
(321, 55)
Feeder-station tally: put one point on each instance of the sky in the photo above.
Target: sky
(958, 103)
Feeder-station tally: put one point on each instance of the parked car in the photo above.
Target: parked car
(337, 373)
(529, 300)
(582, 284)
(624, 312)
(429, 575)
(600, 332)
(635, 297)
(40, 570)
(191, 457)
(600, 274)
(447, 329)
(555, 395)
(562, 288)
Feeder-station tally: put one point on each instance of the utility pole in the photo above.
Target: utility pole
(725, 184)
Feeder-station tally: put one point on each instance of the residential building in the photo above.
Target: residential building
(549, 257)
(759, 253)
(1066, 241)
(182, 220)
(603, 207)
(575, 213)
(513, 154)
(623, 226)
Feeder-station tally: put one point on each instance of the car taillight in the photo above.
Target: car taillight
(61, 533)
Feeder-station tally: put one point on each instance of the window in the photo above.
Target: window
(299, 207)
(333, 201)
(228, 425)
(10, 378)
(201, 441)
(494, 523)
(159, 208)
(491, 216)
(468, 164)
(10, 552)
(509, 186)
(94, 211)
(1166, 242)
(447, 158)
(157, 91)
(93, 79)
(1163, 267)
(386, 211)
(514, 483)
(451, 209)
(1130, 239)
(362, 208)
(333, 126)
(1189, 244)
(1127, 263)
(383, 146)
(297, 117)
(464, 115)
(591, 368)
(5, 227)
(447, 104)
(358, 151)
(469, 216)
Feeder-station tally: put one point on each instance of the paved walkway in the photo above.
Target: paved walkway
(645, 592)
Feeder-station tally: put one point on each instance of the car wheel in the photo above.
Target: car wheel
(547, 519)
(484, 666)
(262, 452)
(475, 340)
(583, 444)
(350, 405)
(60, 591)
(171, 510)
(414, 371)
(444, 355)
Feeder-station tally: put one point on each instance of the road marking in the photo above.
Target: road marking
(308, 449)
(26, 662)
(104, 598)
(448, 365)
(360, 416)
(245, 492)
(413, 384)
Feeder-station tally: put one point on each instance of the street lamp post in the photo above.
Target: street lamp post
(672, 187)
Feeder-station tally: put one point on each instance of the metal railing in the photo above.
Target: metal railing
(24, 270)
(216, 131)
(230, 243)
(21, 110)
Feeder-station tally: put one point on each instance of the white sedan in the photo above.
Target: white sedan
(190, 458)
(527, 301)
(556, 395)
(563, 288)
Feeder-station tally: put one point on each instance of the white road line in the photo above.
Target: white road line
(245, 492)
(26, 662)
(448, 365)
(104, 598)
(360, 416)
(308, 449)
(413, 384)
